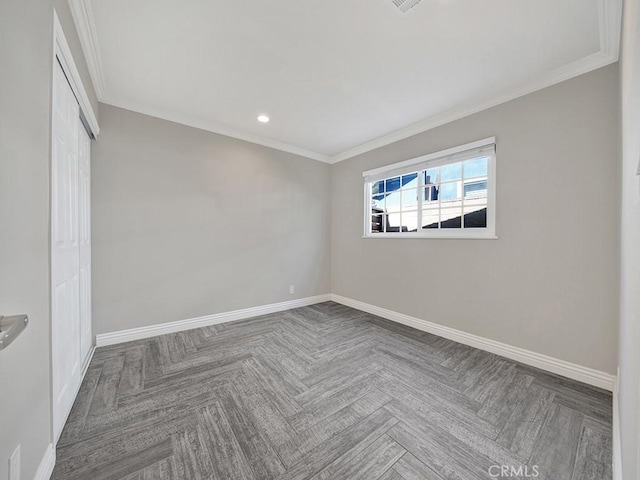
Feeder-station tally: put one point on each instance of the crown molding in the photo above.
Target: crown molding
(85, 25)
(567, 72)
(610, 20)
(215, 128)
(82, 14)
(610, 23)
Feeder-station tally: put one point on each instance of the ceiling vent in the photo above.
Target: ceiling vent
(405, 5)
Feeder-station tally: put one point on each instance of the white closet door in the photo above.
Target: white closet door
(84, 221)
(65, 250)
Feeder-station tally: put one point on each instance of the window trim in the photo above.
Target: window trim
(431, 160)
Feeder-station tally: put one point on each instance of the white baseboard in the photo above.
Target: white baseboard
(617, 445)
(544, 362)
(188, 324)
(45, 469)
(560, 367)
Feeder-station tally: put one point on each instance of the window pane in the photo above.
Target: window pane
(477, 189)
(452, 171)
(409, 221)
(410, 181)
(430, 194)
(376, 224)
(392, 202)
(392, 184)
(377, 203)
(409, 199)
(430, 218)
(451, 217)
(393, 222)
(475, 217)
(449, 191)
(377, 187)
(475, 168)
(432, 176)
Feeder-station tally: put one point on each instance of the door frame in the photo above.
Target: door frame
(62, 51)
(62, 54)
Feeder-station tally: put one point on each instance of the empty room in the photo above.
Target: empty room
(330, 240)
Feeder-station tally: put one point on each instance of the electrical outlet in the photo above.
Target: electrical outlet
(291, 289)
(14, 464)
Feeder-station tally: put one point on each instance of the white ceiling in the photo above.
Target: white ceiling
(337, 77)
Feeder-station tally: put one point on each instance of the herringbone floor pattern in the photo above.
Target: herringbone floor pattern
(327, 393)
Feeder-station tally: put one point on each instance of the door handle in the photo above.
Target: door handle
(10, 328)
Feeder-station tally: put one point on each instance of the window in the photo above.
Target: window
(448, 194)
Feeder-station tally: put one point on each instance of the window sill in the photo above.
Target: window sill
(432, 237)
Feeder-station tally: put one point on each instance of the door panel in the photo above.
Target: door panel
(65, 250)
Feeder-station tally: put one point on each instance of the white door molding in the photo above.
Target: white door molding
(62, 53)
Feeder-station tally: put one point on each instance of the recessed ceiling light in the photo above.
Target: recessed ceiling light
(263, 119)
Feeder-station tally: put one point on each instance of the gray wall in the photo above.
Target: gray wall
(26, 46)
(26, 34)
(189, 223)
(629, 399)
(25, 56)
(549, 283)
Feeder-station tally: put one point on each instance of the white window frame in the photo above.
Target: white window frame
(484, 147)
